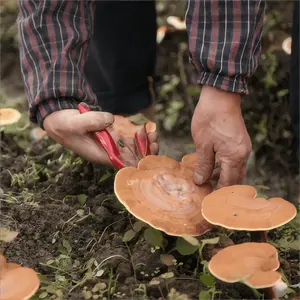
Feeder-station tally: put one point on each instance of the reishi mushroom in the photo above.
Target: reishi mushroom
(176, 22)
(11, 273)
(189, 160)
(287, 45)
(9, 116)
(254, 264)
(161, 33)
(235, 207)
(161, 192)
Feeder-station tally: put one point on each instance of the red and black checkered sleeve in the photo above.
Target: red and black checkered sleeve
(225, 41)
(54, 37)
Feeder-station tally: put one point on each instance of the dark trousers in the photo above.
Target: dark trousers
(122, 55)
(294, 74)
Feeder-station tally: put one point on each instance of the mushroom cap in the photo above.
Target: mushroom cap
(235, 207)
(9, 116)
(176, 22)
(161, 192)
(254, 264)
(27, 283)
(10, 273)
(127, 128)
(160, 34)
(189, 160)
(287, 45)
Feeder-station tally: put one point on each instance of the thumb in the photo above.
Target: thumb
(204, 164)
(92, 121)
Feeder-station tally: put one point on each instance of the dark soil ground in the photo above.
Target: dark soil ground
(71, 226)
(68, 218)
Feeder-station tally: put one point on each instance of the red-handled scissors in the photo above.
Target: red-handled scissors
(104, 138)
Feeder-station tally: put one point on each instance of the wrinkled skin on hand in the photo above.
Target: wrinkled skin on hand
(74, 131)
(219, 132)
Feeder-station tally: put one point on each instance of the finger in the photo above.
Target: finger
(154, 148)
(152, 137)
(231, 174)
(91, 151)
(90, 121)
(216, 174)
(204, 163)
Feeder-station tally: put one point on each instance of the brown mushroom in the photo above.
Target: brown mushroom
(235, 207)
(127, 128)
(9, 116)
(161, 192)
(161, 33)
(176, 22)
(189, 160)
(11, 273)
(287, 45)
(254, 264)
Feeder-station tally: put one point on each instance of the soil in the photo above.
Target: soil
(46, 219)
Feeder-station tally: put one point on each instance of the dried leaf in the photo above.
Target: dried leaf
(7, 235)
(167, 259)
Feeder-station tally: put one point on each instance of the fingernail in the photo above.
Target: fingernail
(199, 178)
(108, 119)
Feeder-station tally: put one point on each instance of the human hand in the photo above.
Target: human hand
(74, 131)
(220, 135)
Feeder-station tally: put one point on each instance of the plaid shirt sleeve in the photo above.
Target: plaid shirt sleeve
(53, 43)
(225, 41)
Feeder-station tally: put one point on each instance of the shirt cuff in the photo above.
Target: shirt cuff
(46, 108)
(237, 84)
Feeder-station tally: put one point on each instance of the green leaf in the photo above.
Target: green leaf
(43, 295)
(82, 199)
(208, 280)
(138, 226)
(212, 241)
(167, 275)
(105, 176)
(67, 246)
(153, 237)
(193, 241)
(205, 295)
(184, 247)
(129, 235)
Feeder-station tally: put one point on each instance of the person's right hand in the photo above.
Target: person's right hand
(220, 135)
(74, 131)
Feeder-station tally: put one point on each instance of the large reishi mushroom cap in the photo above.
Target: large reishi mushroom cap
(189, 160)
(255, 264)
(9, 116)
(11, 273)
(235, 207)
(161, 192)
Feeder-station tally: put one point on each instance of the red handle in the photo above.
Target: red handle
(105, 140)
